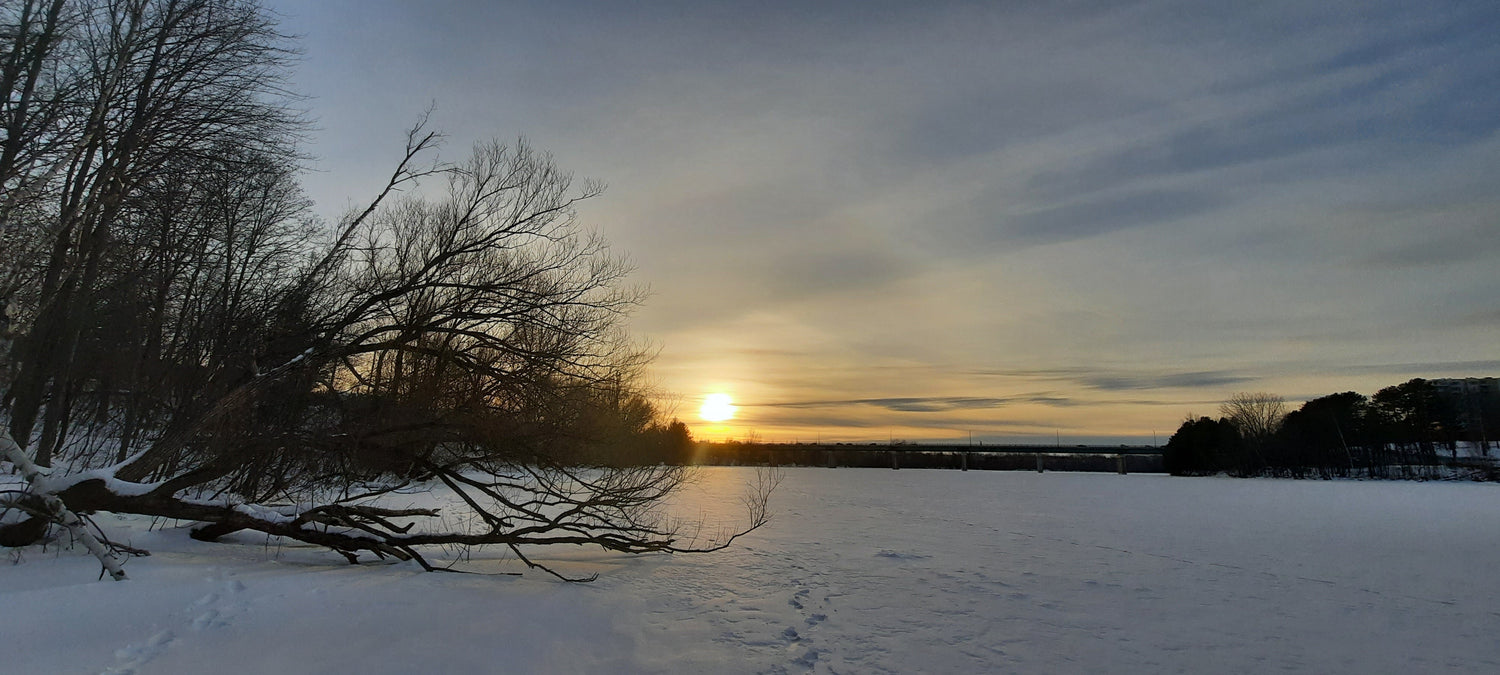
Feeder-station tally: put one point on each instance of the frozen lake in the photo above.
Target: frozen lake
(863, 570)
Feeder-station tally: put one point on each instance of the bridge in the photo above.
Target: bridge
(1119, 459)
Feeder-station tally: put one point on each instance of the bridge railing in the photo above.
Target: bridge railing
(1129, 459)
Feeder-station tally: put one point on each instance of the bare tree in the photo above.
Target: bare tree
(437, 343)
(35, 110)
(252, 374)
(142, 87)
(1256, 415)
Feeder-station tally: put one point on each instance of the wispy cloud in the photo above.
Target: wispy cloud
(1199, 380)
(1106, 214)
(927, 404)
(1426, 368)
(1125, 380)
(1041, 215)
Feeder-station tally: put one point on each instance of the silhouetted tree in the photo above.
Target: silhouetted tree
(1256, 416)
(1395, 433)
(1325, 435)
(1410, 420)
(141, 91)
(1202, 447)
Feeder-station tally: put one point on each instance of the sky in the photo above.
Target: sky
(1071, 222)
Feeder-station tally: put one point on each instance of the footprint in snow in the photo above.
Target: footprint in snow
(215, 612)
(206, 620)
(808, 659)
(135, 655)
(208, 611)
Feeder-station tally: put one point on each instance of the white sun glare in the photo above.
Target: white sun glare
(717, 408)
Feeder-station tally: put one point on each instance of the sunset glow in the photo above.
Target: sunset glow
(717, 408)
(1011, 222)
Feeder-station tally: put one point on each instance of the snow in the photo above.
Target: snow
(53, 481)
(263, 513)
(863, 571)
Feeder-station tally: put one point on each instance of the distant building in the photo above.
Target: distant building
(1476, 400)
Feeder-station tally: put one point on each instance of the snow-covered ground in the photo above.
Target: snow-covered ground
(863, 571)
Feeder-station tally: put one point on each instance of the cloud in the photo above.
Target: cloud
(1476, 368)
(1196, 380)
(847, 424)
(900, 404)
(1486, 318)
(939, 404)
(1442, 238)
(1105, 379)
(1107, 214)
(833, 268)
(922, 404)
(1144, 204)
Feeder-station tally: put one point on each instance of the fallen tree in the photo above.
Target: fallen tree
(463, 345)
(189, 344)
(613, 509)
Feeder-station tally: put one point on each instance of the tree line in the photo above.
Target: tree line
(1408, 430)
(176, 324)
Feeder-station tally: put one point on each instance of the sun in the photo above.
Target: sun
(717, 408)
